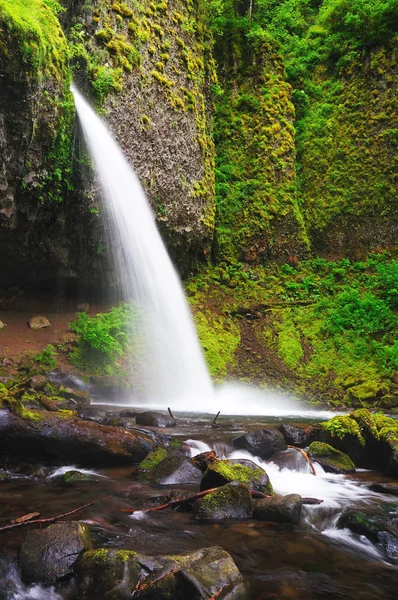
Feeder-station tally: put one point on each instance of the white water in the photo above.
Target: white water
(172, 366)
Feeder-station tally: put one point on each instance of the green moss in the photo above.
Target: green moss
(332, 457)
(153, 459)
(289, 343)
(219, 338)
(366, 423)
(235, 472)
(343, 425)
(382, 421)
(390, 434)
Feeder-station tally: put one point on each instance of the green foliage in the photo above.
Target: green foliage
(47, 357)
(104, 338)
(219, 339)
(342, 426)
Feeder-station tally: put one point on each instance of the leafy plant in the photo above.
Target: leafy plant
(47, 357)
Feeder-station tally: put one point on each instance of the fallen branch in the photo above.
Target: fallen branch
(42, 521)
(215, 419)
(178, 501)
(170, 413)
(307, 458)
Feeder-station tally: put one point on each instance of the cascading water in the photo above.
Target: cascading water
(172, 366)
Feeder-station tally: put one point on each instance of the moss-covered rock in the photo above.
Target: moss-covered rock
(220, 472)
(76, 477)
(175, 468)
(389, 440)
(230, 501)
(332, 460)
(118, 574)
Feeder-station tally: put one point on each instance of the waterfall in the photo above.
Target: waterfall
(171, 368)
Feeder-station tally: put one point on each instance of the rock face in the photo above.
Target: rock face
(332, 460)
(263, 443)
(49, 554)
(59, 435)
(197, 575)
(220, 472)
(155, 419)
(230, 501)
(286, 509)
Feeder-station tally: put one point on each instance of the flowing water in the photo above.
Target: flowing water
(312, 561)
(172, 365)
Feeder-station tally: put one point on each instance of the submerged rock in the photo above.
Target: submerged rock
(332, 460)
(48, 555)
(61, 435)
(155, 419)
(375, 528)
(230, 501)
(76, 477)
(285, 509)
(198, 575)
(220, 472)
(38, 323)
(263, 442)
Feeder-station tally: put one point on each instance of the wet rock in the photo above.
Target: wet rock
(285, 509)
(389, 444)
(96, 415)
(198, 575)
(298, 435)
(332, 460)
(291, 459)
(76, 477)
(48, 555)
(230, 501)
(174, 469)
(155, 419)
(82, 397)
(385, 488)
(389, 544)
(361, 524)
(127, 414)
(247, 472)
(38, 383)
(61, 435)
(263, 442)
(37, 323)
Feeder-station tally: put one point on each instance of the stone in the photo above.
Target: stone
(298, 435)
(121, 574)
(263, 442)
(2, 325)
(76, 477)
(49, 554)
(127, 414)
(389, 444)
(61, 435)
(332, 460)
(80, 396)
(230, 501)
(83, 307)
(285, 509)
(175, 468)
(385, 488)
(38, 382)
(204, 460)
(220, 472)
(37, 323)
(155, 419)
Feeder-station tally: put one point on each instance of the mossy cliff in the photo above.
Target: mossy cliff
(149, 67)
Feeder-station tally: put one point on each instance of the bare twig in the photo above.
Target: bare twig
(42, 521)
(170, 413)
(216, 417)
(307, 458)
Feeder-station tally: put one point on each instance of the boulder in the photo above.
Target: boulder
(82, 397)
(48, 555)
(220, 472)
(37, 323)
(38, 383)
(203, 460)
(385, 488)
(263, 442)
(61, 435)
(332, 460)
(76, 477)
(375, 528)
(155, 419)
(298, 435)
(127, 414)
(230, 501)
(175, 468)
(198, 575)
(285, 509)
(389, 444)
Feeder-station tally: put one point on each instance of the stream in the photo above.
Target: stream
(310, 561)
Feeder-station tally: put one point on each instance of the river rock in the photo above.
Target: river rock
(204, 460)
(389, 445)
(263, 442)
(230, 501)
(49, 554)
(76, 477)
(220, 472)
(385, 488)
(61, 435)
(298, 435)
(375, 528)
(37, 323)
(285, 509)
(175, 468)
(198, 575)
(155, 419)
(332, 460)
